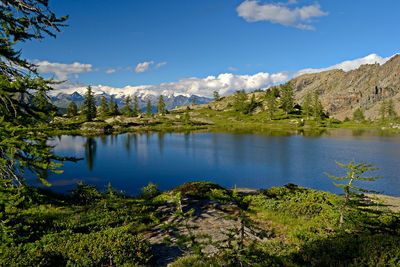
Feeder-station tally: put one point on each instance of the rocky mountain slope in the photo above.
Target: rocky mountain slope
(343, 92)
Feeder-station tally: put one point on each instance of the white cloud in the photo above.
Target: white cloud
(299, 17)
(225, 83)
(62, 71)
(143, 66)
(159, 65)
(347, 65)
(232, 69)
(109, 71)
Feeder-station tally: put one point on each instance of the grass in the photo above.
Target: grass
(93, 228)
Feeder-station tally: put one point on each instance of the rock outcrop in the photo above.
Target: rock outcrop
(343, 92)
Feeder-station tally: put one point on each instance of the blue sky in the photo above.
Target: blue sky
(180, 39)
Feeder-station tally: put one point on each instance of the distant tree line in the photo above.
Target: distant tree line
(109, 106)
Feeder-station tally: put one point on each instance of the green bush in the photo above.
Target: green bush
(84, 194)
(110, 247)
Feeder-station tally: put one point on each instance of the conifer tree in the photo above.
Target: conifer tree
(104, 106)
(148, 107)
(21, 21)
(127, 106)
(161, 105)
(194, 100)
(390, 109)
(113, 107)
(287, 97)
(216, 96)
(318, 110)
(271, 103)
(239, 103)
(358, 115)
(72, 109)
(136, 109)
(382, 109)
(187, 115)
(89, 106)
(307, 105)
(353, 195)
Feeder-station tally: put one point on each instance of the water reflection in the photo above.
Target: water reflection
(90, 152)
(130, 161)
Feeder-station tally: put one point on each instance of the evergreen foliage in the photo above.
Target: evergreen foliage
(104, 108)
(287, 97)
(239, 103)
(148, 107)
(353, 195)
(194, 100)
(136, 109)
(89, 105)
(72, 109)
(307, 105)
(317, 108)
(113, 107)
(21, 21)
(127, 108)
(358, 115)
(272, 103)
(161, 105)
(216, 96)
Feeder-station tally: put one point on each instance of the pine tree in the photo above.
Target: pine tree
(113, 107)
(353, 195)
(390, 109)
(187, 115)
(148, 107)
(216, 96)
(89, 106)
(287, 97)
(307, 105)
(194, 100)
(318, 110)
(382, 109)
(358, 115)
(239, 103)
(161, 105)
(271, 103)
(104, 106)
(275, 91)
(127, 106)
(252, 105)
(21, 21)
(136, 109)
(72, 109)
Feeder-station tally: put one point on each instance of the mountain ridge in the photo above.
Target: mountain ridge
(343, 92)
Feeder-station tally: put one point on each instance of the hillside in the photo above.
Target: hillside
(343, 92)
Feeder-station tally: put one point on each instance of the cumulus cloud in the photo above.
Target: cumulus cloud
(109, 71)
(62, 71)
(225, 83)
(299, 17)
(347, 65)
(159, 65)
(143, 66)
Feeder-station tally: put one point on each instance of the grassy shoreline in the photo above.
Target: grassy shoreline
(196, 224)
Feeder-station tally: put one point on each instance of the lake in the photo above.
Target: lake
(130, 161)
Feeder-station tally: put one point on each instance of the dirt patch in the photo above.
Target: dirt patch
(392, 203)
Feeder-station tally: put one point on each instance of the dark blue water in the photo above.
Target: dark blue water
(130, 161)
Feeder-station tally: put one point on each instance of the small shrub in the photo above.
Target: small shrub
(84, 194)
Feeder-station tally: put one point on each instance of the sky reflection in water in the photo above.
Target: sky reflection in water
(130, 161)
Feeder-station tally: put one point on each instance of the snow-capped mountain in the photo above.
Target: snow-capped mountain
(62, 100)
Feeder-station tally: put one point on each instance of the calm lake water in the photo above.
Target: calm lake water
(130, 161)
